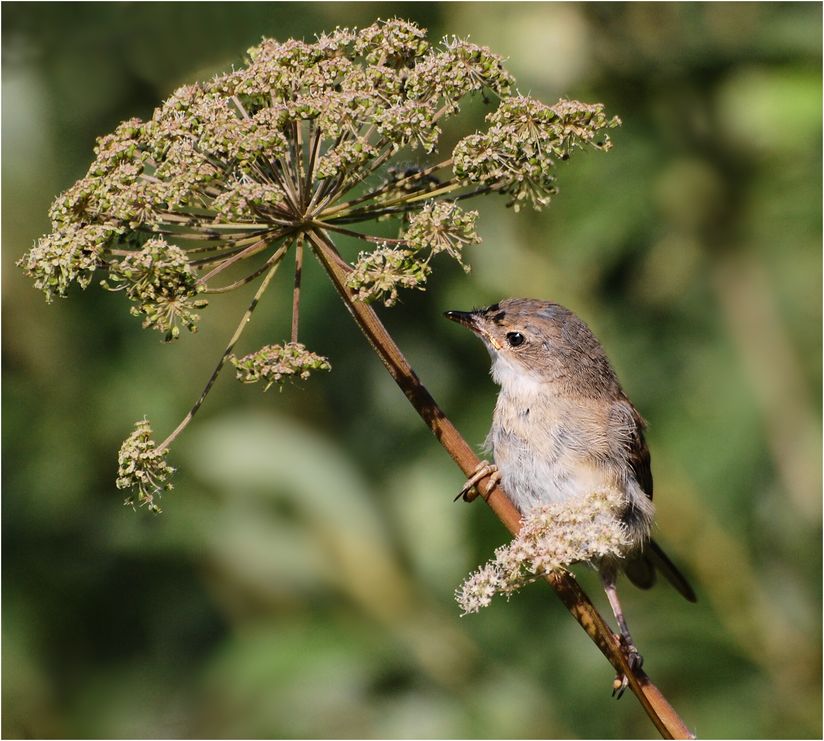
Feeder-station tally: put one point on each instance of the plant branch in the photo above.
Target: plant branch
(273, 263)
(358, 235)
(386, 187)
(660, 712)
(397, 204)
(252, 249)
(238, 283)
(296, 288)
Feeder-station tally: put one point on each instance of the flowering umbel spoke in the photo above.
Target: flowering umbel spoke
(208, 194)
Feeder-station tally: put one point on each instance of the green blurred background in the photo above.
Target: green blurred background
(300, 580)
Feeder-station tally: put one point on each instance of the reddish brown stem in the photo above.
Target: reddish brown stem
(664, 717)
(296, 289)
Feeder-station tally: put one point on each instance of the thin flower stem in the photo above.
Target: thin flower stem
(331, 194)
(229, 250)
(333, 188)
(409, 206)
(214, 237)
(320, 196)
(173, 230)
(661, 713)
(278, 172)
(257, 171)
(313, 158)
(231, 247)
(391, 185)
(303, 198)
(442, 189)
(371, 214)
(296, 289)
(203, 262)
(443, 109)
(382, 158)
(323, 186)
(252, 249)
(270, 218)
(191, 222)
(397, 205)
(284, 173)
(274, 262)
(358, 235)
(238, 283)
(340, 183)
(239, 106)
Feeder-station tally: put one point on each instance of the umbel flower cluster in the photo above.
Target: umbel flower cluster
(294, 148)
(142, 468)
(552, 537)
(274, 363)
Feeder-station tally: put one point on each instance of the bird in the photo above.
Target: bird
(562, 428)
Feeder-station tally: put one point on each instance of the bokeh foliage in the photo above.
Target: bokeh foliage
(300, 582)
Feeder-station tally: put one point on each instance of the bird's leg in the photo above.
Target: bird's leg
(634, 658)
(485, 468)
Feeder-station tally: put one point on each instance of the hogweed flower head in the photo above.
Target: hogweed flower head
(162, 286)
(552, 537)
(525, 138)
(277, 363)
(298, 145)
(380, 273)
(441, 226)
(69, 255)
(276, 147)
(142, 468)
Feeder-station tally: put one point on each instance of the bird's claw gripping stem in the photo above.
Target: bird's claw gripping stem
(469, 491)
(635, 661)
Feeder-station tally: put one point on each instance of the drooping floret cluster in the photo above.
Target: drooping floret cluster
(552, 537)
(142, 468)
(294, 147)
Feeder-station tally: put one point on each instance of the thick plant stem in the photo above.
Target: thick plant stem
(660, 712)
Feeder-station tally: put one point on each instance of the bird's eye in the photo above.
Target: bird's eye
(515, 339)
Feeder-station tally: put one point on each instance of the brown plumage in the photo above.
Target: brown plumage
(563, 426)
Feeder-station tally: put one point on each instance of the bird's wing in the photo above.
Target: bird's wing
(641, 569)
(638, 452)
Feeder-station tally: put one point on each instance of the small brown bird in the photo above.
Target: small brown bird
(563, 427)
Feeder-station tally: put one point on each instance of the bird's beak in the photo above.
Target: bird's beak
(474, 320)
(468, 319)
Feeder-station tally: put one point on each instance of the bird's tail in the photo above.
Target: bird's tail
(641, 570)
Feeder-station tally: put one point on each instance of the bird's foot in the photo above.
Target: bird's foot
(469, 491)
(635, 661)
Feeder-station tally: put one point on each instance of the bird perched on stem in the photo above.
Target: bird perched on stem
(563, 428)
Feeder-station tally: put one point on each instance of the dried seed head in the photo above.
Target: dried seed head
(552, 537)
